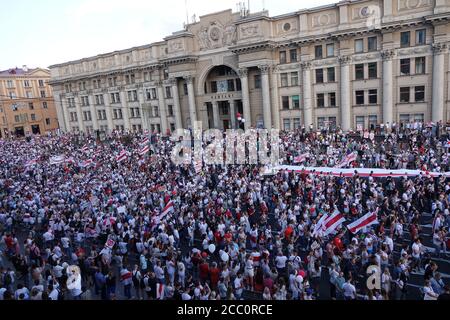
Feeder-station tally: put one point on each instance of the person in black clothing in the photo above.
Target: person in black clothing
(446, 295)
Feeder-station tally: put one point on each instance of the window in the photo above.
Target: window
(419, 117)
(26, 83)
(330, 50)
(404, 94)
(419, 93)
(223, 110)
(405, 66)
(319, 75)
(230, 83)
(147, 76)
(332, 99)
(404, 118)
(117, 114)
(101, 115)
(135, 113)
(318, 52)
(41, 83)
(238, 85)
(421, 36)
(294, 78)
(170, 110)
(87, 116)
(373, 121)
(287, 124)
(115, 97)
(373, 96)
(99, 99)
(360, 123)
(295, 102)
(359, 97)
(372, 44)
(42, 94)
(284, 79)
(44, 105)
(257, 81)
(405, 39)
(420, 65)
(85, 101)
(373, 72)
(82, 86)
(71, 102)
(12, 95)
(155, 111)
(73, 117)
(130, 78)
(285, 102)
(33, 117)
(213, 86)
(168, 92)
(47, 121)
(293, 54)
(320, 100)
(10, 84)
(297, 123)
(359, 46)
(132, 95)
(31, 106)
(359, 71)
(331, 75)
(17, 118)
(96, 84)
(29, 94)
(283, 57)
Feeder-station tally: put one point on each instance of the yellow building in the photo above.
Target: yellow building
(26, 102)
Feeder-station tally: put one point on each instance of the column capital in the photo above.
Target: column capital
(189, 79)
(387, 54)
(344, 60)
(439, 47)
(306, 65)
(173, 81)
(275, 69)
(265, 68)
(242, 72)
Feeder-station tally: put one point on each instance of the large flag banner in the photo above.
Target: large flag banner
(145, 141)
(301, 158)
(31, 163)
(144, 150)
(363, 222)
(348, 159)
(57, 159)
(122, 156)
(332, 223)
(318, 228)
(86, 163)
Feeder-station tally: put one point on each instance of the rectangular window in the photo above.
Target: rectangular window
(372, 44)
(26, 83)
(170, 110)
(213, 86)
(10, 84)
(132, 95)
(168, 92)
(318, 52)
(320, 100)
(146, 76)
(33, 117)
(238, 85)
(359, 97)
(419, 117)
(115, 97)
(405, 39)
(404, 94)
(332, 99)
(29, 94)
(330, 50)
(44, 105)
(230, 83)
(373, 72)
(31, 106)
(284, 79)
(321, 122)
(285, 102)
(295, 102)
(373, 96)
(41, 83)
(43, 94)
(287, 124)
(297, 123)
(47, 121)
(359, 45)
(99, 99)
(155, 111)
(373, 121)
(419, 93)
(360, 123)
(420, 65)
(319, 75)
(359, 71)
(331, 75)
(404, 118)
(84, 101)
(421, 36)
(17, 118)
(293, 54)
(154, 94)
(294, 78)
(283, 57)
(257, 81)
(405, 66)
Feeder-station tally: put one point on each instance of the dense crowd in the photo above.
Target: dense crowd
(145, 228)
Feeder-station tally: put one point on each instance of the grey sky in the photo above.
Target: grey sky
(45, 32)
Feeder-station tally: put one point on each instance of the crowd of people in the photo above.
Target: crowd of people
(143, 227)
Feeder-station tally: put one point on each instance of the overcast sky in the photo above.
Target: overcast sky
(45, 32)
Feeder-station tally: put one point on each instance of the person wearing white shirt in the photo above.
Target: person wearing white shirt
(428, 292)
(349, 290)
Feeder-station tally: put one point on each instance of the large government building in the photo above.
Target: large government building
(353, 64)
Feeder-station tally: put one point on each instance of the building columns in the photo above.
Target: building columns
(162, 109)
(93, 114)
(243, 74)
(144, 118)
(437, 113)
(388, 109)
(345, 93)
(265, 69)
(124, 103)
(275, 99)
(191, 96)
(233, 113)
(307, 99)
(215, 108)
(79, 115)
(176, 103)
(109, 113)
(63, 116)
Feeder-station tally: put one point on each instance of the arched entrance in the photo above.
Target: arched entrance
(223, 98)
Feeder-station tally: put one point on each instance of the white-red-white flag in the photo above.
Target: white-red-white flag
(144, 150)
(301, 158)
(86, 163)
(85, 148)
(348, 159)
(363, 222)
(160, 288)
(318, 227)
(31, 162)
(122, 156)
(333, 222)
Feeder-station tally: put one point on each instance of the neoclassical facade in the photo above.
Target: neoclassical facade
(353, 64)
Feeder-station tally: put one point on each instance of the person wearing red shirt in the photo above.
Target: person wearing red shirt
(204, 271)
(214, 274)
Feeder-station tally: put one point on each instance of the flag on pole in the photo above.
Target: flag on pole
(86, 163)
(301, 158)
(122, 156)
(144, 150)
(348, 159)
(363, 222)
(31, 163)
(70, 160)
(332, 223)
(57, 159)
(318, 227)
(145, 141)
(85, 148)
